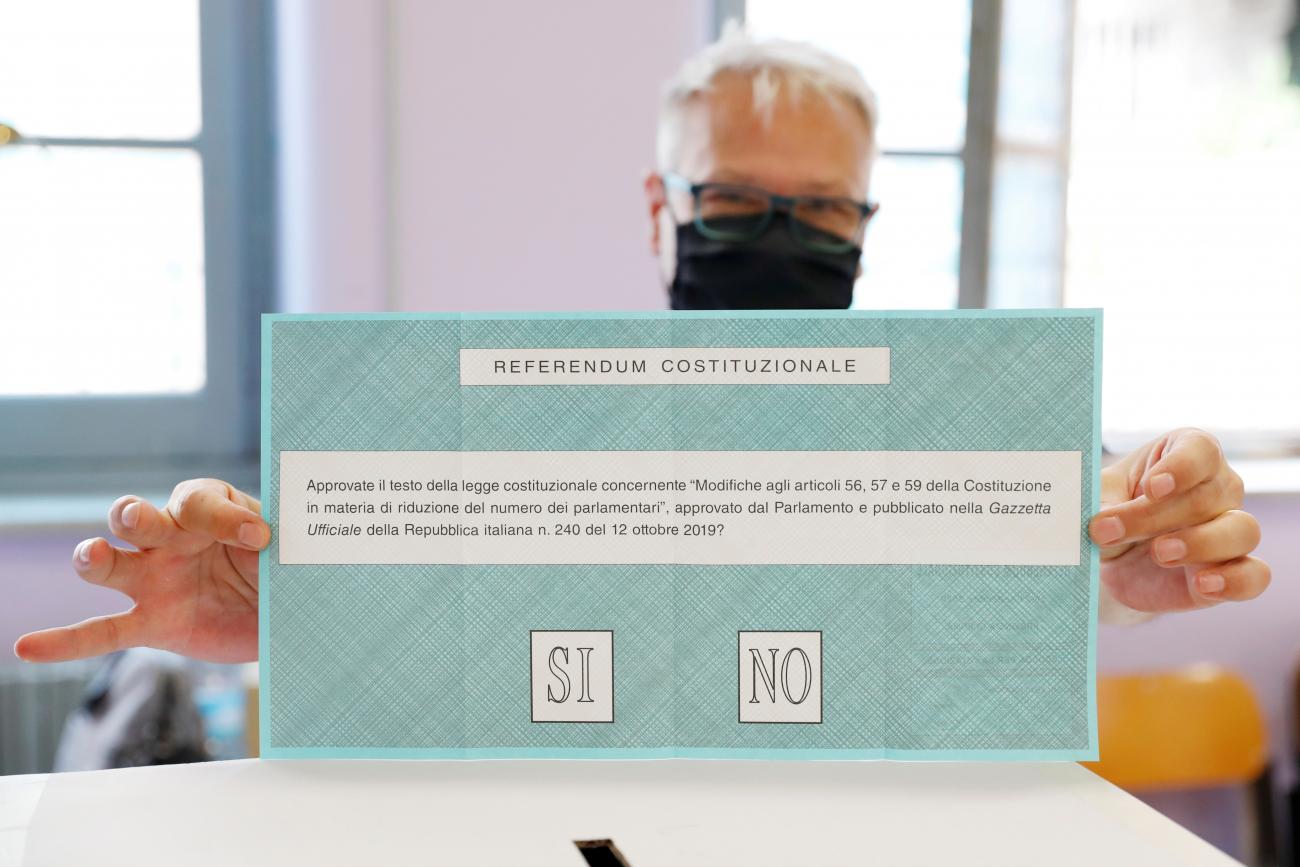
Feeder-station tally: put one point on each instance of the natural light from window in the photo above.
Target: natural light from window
(101, 215)
(1184, 215)
(915, 56)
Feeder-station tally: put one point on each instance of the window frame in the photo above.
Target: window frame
(78, 444)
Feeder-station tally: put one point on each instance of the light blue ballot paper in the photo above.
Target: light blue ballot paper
(800, 535)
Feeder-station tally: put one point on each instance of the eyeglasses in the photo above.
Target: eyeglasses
(736, 212)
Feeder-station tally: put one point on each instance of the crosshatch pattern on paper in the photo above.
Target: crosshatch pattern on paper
(915, 657)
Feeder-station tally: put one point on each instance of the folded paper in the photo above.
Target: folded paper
(787, 535)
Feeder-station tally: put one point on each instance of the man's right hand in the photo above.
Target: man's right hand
(193, 579)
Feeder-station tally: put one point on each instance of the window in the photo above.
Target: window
(1177, 132)
(915, 55)
(135, 238)
(1184, 213)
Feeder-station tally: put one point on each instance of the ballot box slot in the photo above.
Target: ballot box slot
(601, 853)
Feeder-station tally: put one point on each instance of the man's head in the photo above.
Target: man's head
(783, 117)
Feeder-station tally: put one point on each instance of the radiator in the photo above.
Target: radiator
(34, 702)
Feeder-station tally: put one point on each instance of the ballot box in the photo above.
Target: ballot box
(651, 813)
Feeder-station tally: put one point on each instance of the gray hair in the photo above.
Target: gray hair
(771, 64)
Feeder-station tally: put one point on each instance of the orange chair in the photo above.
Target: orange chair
(1195, 727)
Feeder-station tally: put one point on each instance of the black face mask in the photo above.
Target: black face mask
(771, 272)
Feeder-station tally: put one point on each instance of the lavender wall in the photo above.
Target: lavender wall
(40, 589)
(520, 146)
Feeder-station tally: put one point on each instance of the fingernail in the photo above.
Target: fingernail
(1210, 583)
(83, 553)
(1169, 550)
(1161, 485)
(131, 515)
(1108, 530)
(250, 534)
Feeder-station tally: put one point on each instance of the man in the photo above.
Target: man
(765, 156)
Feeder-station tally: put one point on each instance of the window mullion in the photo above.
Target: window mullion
(977, 163)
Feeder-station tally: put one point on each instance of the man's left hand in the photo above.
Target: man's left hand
(1172, 533)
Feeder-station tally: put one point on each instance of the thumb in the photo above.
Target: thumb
(206, 507)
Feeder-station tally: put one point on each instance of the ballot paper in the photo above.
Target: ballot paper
(763, 535)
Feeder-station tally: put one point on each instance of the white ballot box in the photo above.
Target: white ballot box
(656, 813)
